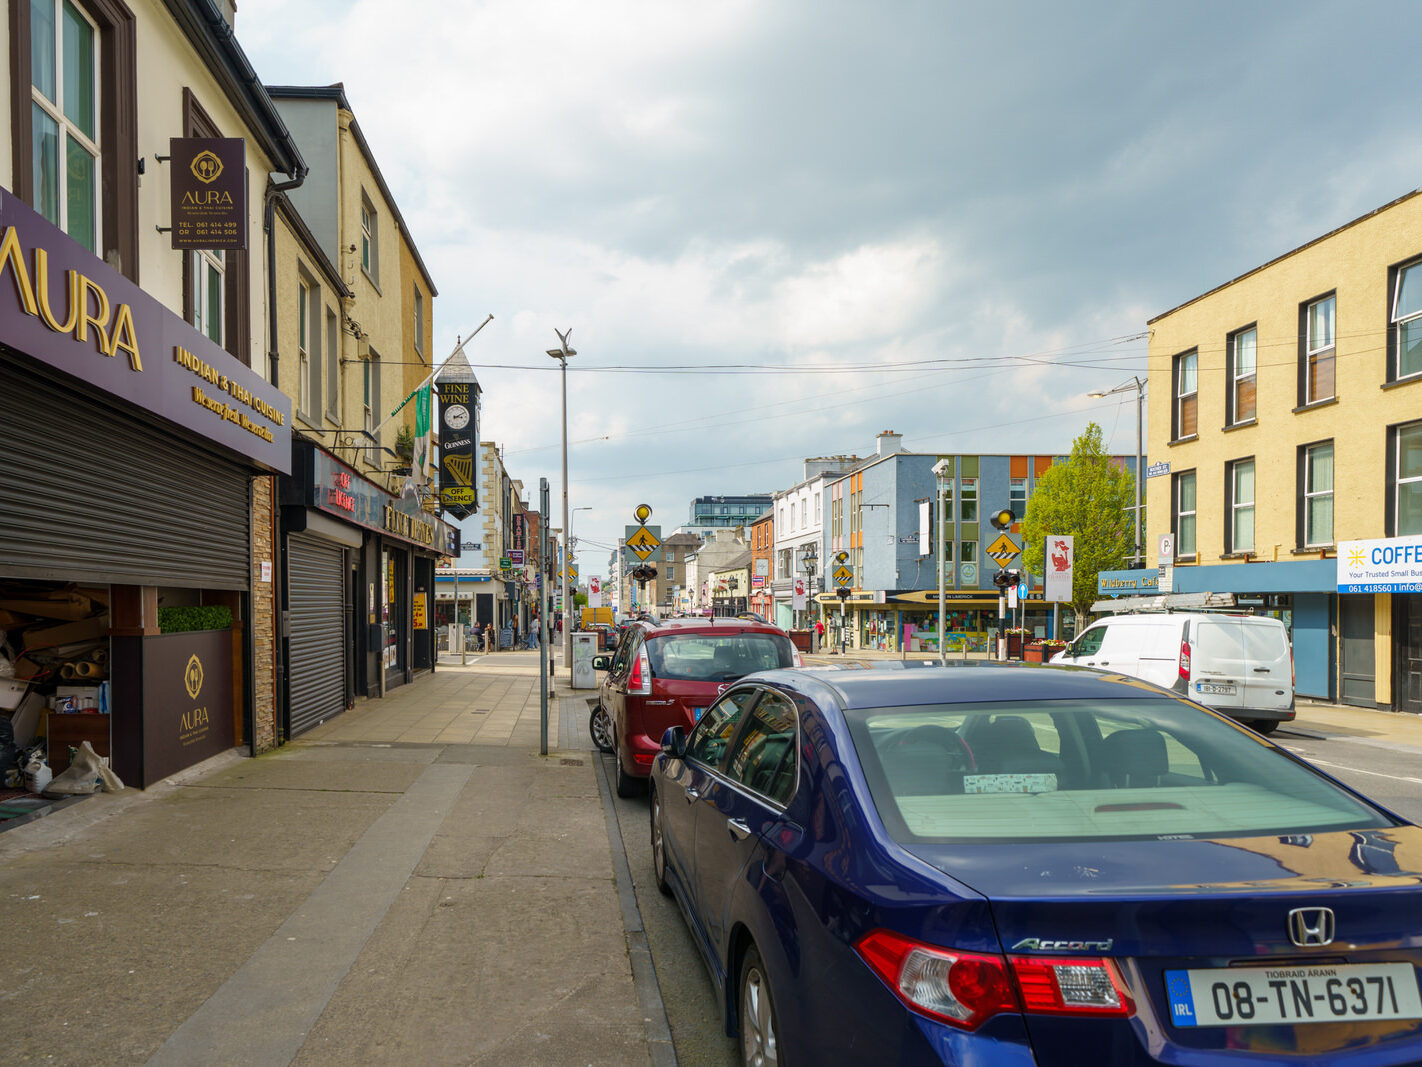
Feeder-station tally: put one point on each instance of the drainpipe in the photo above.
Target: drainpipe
(273, 357)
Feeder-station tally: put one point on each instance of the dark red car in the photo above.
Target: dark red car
(665, 673)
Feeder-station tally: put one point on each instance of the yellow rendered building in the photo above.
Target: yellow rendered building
(1285, 426)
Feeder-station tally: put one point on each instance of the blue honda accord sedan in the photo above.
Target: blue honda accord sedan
(1031, 865)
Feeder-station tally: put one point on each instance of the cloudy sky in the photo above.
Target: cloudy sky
(778, 227)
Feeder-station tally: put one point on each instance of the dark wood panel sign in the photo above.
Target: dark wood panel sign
(187, 700)
(209, 192)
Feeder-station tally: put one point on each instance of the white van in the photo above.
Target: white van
(1241, 665)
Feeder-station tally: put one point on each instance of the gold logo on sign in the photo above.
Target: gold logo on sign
(206, 167)
(462, 467)
(192, 677)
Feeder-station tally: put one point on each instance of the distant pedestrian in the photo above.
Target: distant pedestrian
(819, 634)
(533, 634)
(488, 637)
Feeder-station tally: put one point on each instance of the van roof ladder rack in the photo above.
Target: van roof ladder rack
(1167, 602)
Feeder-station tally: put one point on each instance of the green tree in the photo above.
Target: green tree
(1090, 498)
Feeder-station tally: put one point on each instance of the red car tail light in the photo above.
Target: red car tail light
(967, 988)
(796, 660)
(1071, 986)
(640, 680)
(962, 988)
(1185, 660)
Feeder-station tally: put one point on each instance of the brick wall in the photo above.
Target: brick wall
(264, 705)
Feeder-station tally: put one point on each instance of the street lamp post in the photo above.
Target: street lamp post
(562, 354)
(1138, 384)
(809, 562)
(940, 474)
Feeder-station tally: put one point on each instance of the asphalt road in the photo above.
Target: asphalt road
(1386, 772)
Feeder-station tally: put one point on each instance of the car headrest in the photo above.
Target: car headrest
(1133, 755)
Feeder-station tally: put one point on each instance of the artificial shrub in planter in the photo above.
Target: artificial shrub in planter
(185, 619)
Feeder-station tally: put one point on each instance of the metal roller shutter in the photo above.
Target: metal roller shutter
(317, 668)
(90, 493)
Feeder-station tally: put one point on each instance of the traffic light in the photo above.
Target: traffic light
(1003, 519)
(644, 573)
(1006, 579)
(842, 592)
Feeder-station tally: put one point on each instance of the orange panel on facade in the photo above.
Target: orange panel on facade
(1018, 466)
(1039, 464)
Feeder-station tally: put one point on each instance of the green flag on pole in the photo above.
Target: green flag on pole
(422, 435)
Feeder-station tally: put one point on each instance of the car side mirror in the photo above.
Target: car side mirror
(674, 742)
(601, 663)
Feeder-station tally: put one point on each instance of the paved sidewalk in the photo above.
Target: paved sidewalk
(409, 882)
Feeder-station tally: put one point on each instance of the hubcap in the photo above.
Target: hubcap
(758, 1043)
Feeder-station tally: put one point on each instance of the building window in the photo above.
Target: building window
(967, 553)
(671, 572)
(64, 126)
(419, 321)
(367, 420)
(1185, 408)
(209, 267)
(1405, 476)
(1405, 336)
(817, 509)
(1017, 497)
(333, 367)
(369, 240)
(1240, 353)
(216, 295)
(968, 503)
(303, 348)
(1317, 366)
(1318, 494)
(1184, 525)
(1239, 485)
(792, 515)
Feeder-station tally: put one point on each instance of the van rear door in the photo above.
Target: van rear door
(1160, 650)
(1218, 664)
(1268, 675)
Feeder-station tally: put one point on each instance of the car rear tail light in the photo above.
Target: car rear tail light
(962, 988)
(1070, 987)
(967, 988)
(643, 759)
(1292, 683)
(639, 681)
(1185, 660)
(796, 660)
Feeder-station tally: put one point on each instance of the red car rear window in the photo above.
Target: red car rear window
(717, 657)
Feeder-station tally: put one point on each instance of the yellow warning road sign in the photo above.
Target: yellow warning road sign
(1003, 549)
(643, 543)
(843, 576)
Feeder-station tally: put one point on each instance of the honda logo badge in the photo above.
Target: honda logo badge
(1311, 927)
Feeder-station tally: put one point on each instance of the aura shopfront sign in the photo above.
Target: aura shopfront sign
(66, 309)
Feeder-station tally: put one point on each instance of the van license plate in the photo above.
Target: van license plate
(1307, 993)
(1217, 688)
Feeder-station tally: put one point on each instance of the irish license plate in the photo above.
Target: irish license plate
(1217, 688)
(1260, 996)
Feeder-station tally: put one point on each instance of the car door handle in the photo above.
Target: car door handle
(1261, 670)
(739, 830)
(692, 795)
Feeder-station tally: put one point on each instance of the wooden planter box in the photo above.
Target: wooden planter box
(1035, 654)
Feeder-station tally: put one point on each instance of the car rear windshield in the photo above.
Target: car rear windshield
(1075, 770)
(717, 657)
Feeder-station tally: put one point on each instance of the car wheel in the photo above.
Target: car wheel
(760, 1031)
(1265, 726)
(600, 727)
(627, 785)
(659, 847)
